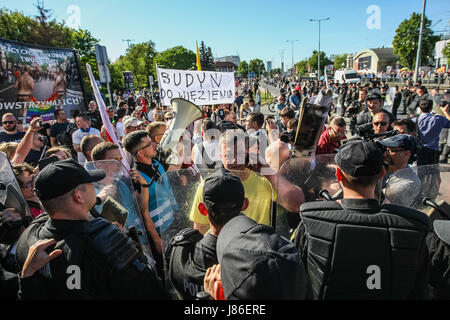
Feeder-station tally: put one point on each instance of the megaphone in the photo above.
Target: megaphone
(185, 112)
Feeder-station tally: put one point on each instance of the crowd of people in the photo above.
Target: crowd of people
(355, 247)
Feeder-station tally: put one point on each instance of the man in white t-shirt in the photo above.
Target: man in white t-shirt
(84, 128)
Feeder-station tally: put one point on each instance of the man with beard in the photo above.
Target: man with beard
(11, 134)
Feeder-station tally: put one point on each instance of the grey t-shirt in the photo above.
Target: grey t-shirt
(401, 187)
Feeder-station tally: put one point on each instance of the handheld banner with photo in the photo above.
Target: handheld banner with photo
(36, 80)
(199, 87)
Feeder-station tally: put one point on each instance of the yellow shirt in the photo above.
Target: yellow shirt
(259, 193)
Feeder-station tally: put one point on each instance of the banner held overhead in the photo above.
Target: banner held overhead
(199, 87)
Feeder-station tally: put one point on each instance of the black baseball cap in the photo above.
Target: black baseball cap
(373, 94)
(258, 264)
(223, 191)
(360, 158)
(60, 177)
(404, 141)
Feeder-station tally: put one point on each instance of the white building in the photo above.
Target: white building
(234, 59)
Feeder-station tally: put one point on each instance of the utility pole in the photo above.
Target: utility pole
(318, 57)
(419, 48)
(292, 42)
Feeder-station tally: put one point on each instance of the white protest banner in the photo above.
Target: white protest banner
(199, 87)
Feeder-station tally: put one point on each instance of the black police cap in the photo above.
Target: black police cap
(223, 191)
(60, 177)
(360, 158)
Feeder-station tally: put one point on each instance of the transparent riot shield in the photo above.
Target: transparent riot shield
(120, 205)
(310, 174)
(186, 187)
(389, 99)
(424, 188)
(10, 194)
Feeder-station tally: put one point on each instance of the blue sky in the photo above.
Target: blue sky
(248, 28)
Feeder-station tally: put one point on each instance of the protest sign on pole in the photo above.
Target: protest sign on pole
(110, 133)
(199, 87)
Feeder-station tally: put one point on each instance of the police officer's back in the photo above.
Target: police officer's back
(98, 261)
(357, 249)
(189, 254)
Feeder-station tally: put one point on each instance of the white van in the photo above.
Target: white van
(349, 75)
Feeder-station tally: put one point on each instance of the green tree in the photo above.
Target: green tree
(446, 51)
(302, 67)
(340, 61)
(313, 60)
(275, 71)
(176, 58)
(206, 57)
(406, 40)
(16, 26)
(243, 69)
(257, 67)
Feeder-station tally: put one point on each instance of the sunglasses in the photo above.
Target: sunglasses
(146, 146)
(380, 123)
(9, 122)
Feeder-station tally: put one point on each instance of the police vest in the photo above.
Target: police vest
(185, 275)
(353, 255)
(91, 252)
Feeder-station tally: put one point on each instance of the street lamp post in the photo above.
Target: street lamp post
(419, 47)
(292, 42)
(318, 57)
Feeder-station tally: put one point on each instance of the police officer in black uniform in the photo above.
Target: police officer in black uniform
(356, 249)
(189, 254)
(374, 105)
(97, 260)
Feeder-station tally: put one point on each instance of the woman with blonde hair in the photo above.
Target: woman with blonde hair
(245, 110)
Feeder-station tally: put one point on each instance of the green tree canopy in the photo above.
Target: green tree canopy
(313, 60)
(446, 51)
(302, 67)
(257, 67)
(206, 57)
(176, 58)
(340, 61)
(243, 69)
(406, 40)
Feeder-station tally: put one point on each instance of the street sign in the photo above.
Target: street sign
(103, 63)
(99, 83)
(251, 75)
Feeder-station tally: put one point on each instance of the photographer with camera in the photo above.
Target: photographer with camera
(357, 106)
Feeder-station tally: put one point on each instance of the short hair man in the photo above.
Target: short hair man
(349, 242)
(429, 129)
(223, 199)
(84, 128)
(131, 124)
(108, 263)
(254, 123)
(374, 105)
(381, 122)
(404, 184)
(11, 133)
(156, 131)
(139, 144)
(331, 138)
(206, 154)
(88, 143)
(58, 127)
(405, 126)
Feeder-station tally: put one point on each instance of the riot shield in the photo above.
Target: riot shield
(10, 194)
(424, 188)
(186, 187)
(312, 175)
(120, 204)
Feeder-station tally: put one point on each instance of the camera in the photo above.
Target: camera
(354, 108)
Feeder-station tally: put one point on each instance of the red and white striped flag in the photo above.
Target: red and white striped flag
(110, 133)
